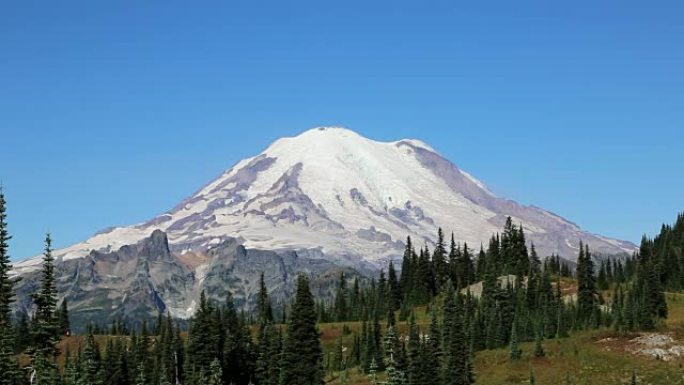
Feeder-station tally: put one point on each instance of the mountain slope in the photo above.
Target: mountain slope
(346, 196)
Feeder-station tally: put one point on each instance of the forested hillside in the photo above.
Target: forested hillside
(452, 315)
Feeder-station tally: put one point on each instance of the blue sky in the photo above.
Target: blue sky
(112, 112)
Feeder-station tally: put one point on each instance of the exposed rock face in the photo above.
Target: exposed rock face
(141, 280)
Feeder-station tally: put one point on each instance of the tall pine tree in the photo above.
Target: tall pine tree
(302, 354)
(8, 364)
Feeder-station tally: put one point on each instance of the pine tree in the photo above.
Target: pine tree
(372, 372)
(424, 279)
(8, 363)
(458, 366)
(234, 344)
(267, 365)
(91, 370)
(433, 345)
(538, 347)
(215, 373)
(516, 352)
(341, 309)
(264, 308)
(394, 288)
(71, 372)
(63, 318)
(586, 286)
(481, 266)
(407, 272)
(465, 269)
(302, 354)
(203, 344)
(44, 331)
(6, 283)
(382, 297)
(415, 364)
(395, 375)
(141, 375)
(441, 268)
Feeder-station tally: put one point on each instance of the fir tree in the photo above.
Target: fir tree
(538, 347)
(91, 370)
(215, 373)
(341, 309)
(141, 376)
(515, 352)
(44, 331)
(407, 272)
(586, 286)
(302, 354)
(415, 365)
(395, 375)
(8, 363)
(264, 308)
(6, 283)
(458, 366)
(439, 263)
(63, 318)
(267, 370)
(203, 341)
(394, 288)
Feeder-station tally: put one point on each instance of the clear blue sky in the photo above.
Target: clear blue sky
(112, 112)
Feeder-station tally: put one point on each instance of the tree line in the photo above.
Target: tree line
(498, 297)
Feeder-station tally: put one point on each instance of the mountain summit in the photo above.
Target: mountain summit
(346, 197)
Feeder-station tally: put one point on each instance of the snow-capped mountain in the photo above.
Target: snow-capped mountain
(346, 196)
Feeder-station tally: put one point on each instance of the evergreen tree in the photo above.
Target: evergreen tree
(407, 272)
(63, 318)
(465, 268)
(91, 370)
(234, 344)
(71, 372)
(8, 364)
(267, 371)
(586, 286)
(395, 375)
(264, 308)
(6, 283)
(424, 279)
(458, 366)
(215, 373)
(44, 331)
(439, 262)
(141, 376)
(394, 288)
(538, 347)
(341, 310)
(302, 354)
(516, 352)
(415, 364)
(203, 341)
